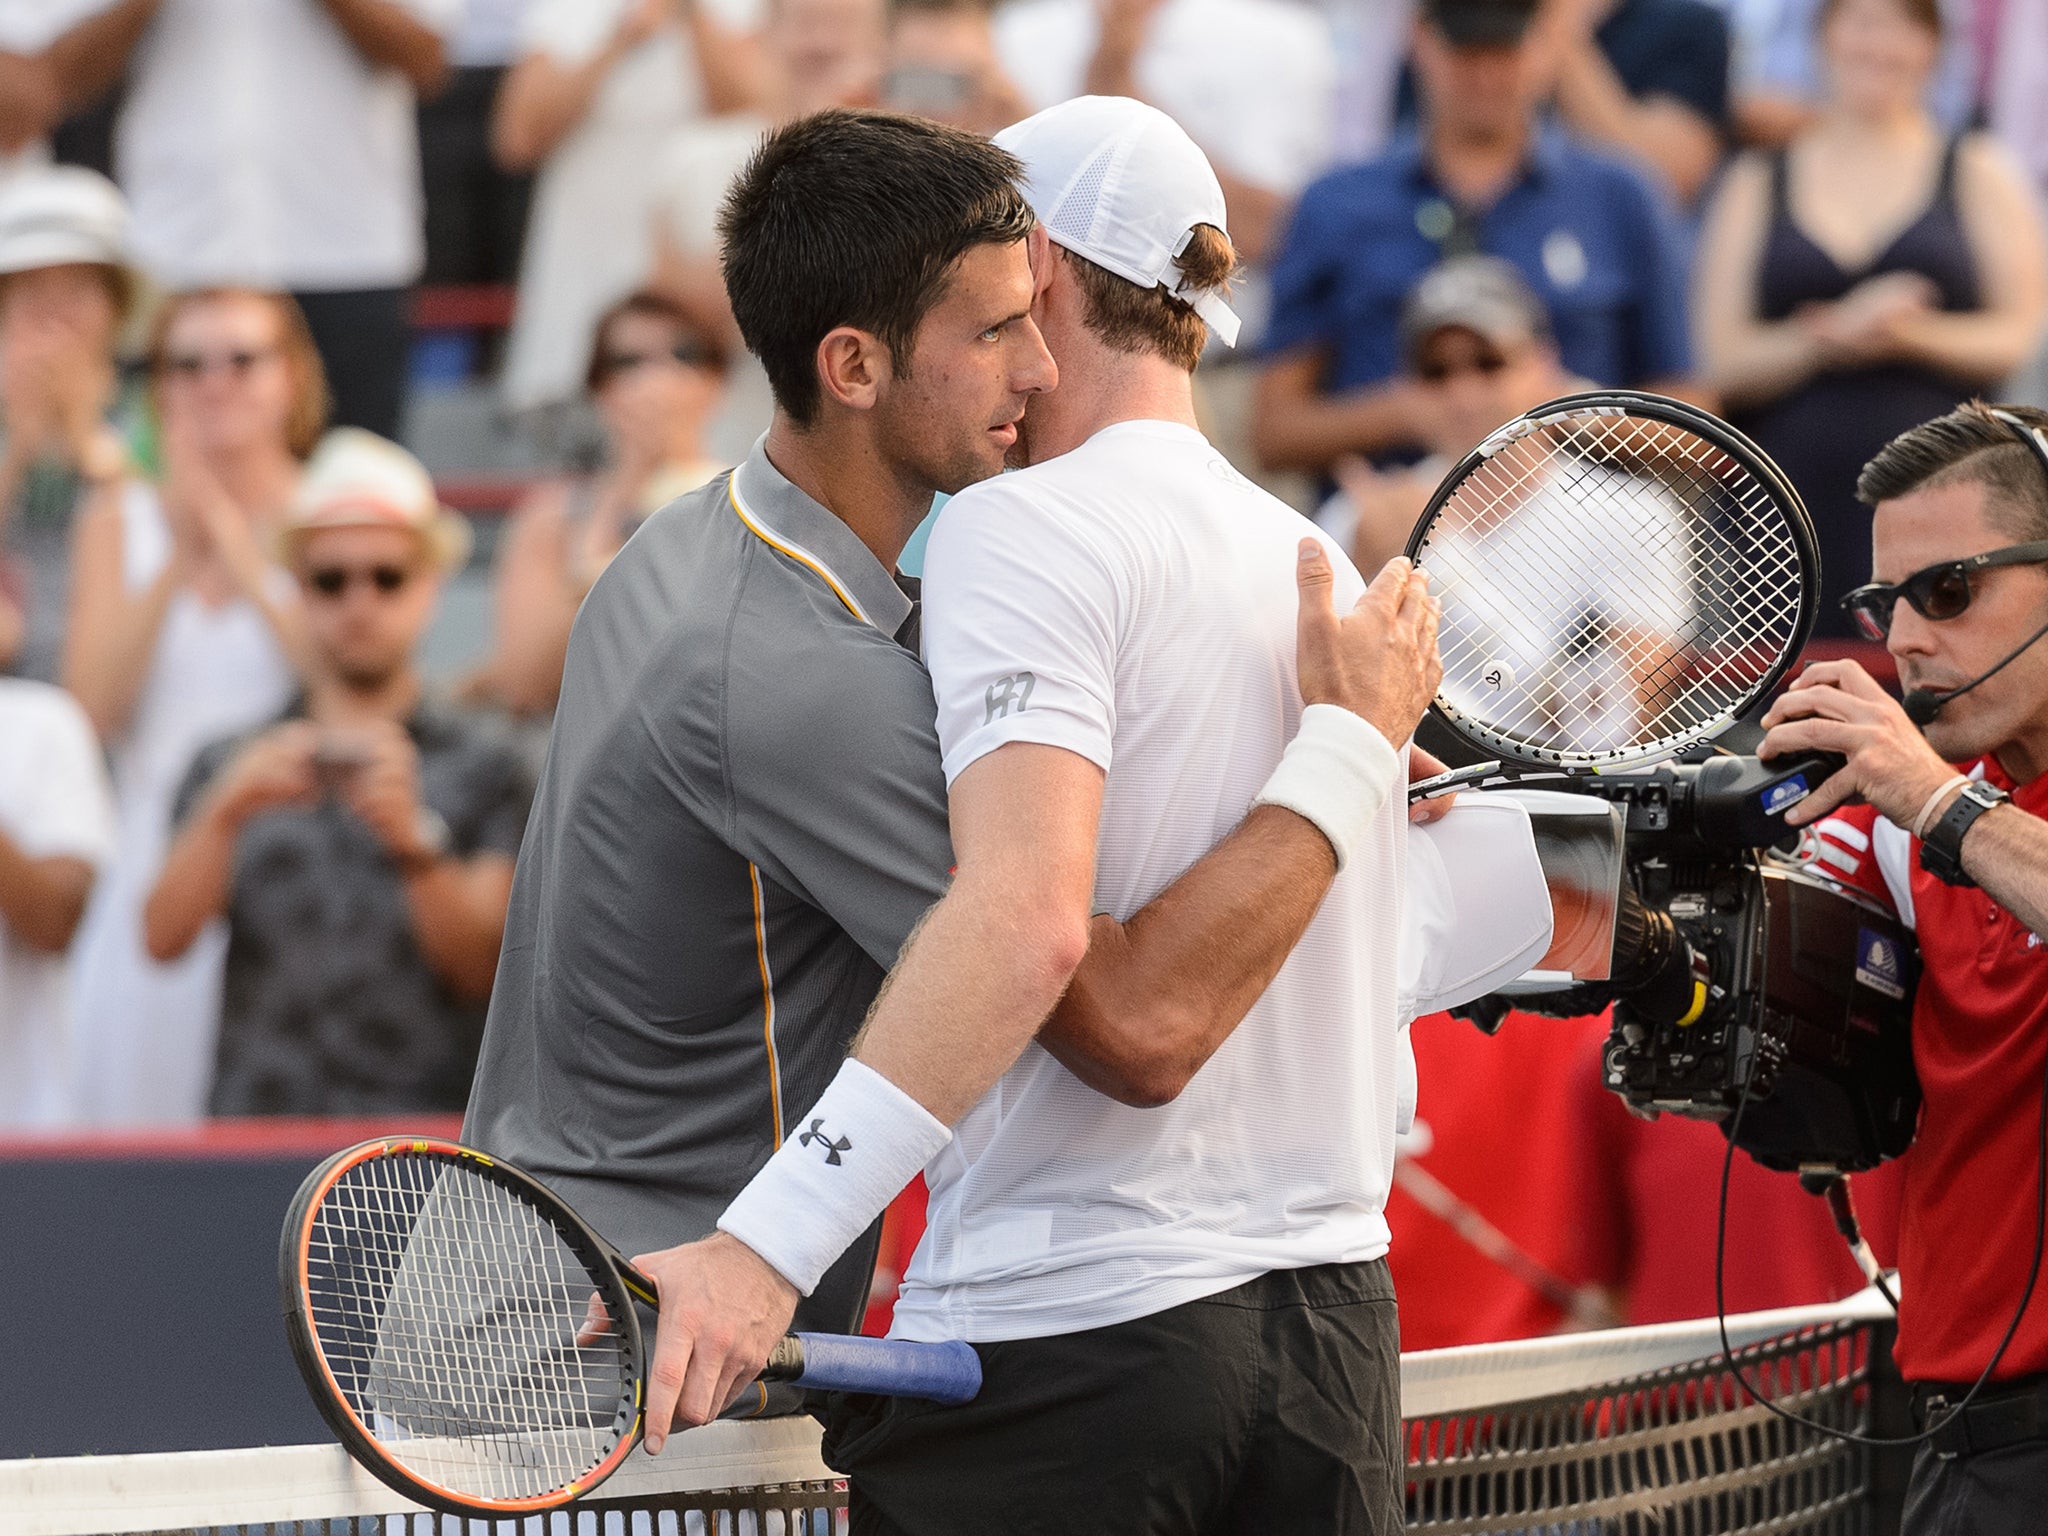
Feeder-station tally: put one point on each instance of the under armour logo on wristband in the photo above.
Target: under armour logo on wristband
(832, 1148)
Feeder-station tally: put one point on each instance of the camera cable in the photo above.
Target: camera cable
(2011, 1328)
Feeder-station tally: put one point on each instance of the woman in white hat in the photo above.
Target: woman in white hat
(65, 291)
(181, 631)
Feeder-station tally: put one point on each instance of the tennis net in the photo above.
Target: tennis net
(1621, 1433)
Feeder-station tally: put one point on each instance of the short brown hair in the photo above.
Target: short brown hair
(1132, 319)
(310, 402)
(1968, 445)
(1925, 14)
(660, 306)
(856, 218)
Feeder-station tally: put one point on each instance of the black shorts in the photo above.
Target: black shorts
(1271, 1407)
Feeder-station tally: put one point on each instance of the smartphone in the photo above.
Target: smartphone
(337, 759)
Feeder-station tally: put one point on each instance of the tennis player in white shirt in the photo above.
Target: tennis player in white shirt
(1183, 1311)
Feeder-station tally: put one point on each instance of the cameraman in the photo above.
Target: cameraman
(1973, 883)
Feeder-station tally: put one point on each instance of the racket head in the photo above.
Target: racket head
(432, 1295)
(1622, 576)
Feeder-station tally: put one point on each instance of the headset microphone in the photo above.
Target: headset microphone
(1922, 704)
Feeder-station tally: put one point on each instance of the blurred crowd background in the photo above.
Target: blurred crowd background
(343, 342)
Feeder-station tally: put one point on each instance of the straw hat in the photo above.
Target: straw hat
(356, 479)
(61, 215)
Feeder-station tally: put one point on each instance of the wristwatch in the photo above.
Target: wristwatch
(1941, 850)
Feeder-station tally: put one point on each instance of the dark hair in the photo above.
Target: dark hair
(1922, 13)
(901, 8)
(658, 306)
(1133, 319)
(856, 218)
(1970, 445)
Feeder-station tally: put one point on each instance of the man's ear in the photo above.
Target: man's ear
(852, 365)
(1038, 252)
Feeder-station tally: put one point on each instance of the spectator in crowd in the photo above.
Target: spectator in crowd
(655, 381)
(599, 88)
(64, 292)
(1867, 277)
(1592, 235)
(475, 208)
(360, 847)
(180, 632)
(273, 146)
(56, 830)
(1778, 86)
(814, 54)
(1477, 345)
(1647, 79)
(942, 64)
(1252, 81)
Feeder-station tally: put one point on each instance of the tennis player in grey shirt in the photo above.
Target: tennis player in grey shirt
(743, 815)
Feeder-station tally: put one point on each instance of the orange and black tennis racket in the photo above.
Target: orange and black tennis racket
(439, 1305)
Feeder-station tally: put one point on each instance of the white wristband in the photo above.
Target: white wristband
(852, 1154)
(1337, 773)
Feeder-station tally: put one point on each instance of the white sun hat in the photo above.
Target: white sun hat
(356, 479)
(1122, 185)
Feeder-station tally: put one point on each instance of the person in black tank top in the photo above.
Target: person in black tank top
(1824, 432)
(1833, 313)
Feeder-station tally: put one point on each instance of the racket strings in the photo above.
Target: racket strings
(447, 1310)
(1613, 586)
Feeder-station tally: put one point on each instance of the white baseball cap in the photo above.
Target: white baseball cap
(356, 479)
(1122, 185)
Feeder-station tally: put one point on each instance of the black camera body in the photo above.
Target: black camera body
(1801, 989)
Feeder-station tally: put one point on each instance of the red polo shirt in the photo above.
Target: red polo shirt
(1972, 1194)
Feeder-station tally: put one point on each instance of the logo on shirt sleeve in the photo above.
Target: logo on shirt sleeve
(1006, 693)
(832, 1148)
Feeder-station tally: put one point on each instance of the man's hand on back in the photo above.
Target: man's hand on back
(1379, 660)
(723, 1308)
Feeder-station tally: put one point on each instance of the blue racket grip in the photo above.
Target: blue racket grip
(841, 1362)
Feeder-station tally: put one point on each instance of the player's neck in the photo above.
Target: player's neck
(1100, 387)
(843, 472)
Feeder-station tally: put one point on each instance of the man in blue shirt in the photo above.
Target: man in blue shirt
(1598, 242)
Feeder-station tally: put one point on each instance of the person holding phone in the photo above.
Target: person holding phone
(361, 846)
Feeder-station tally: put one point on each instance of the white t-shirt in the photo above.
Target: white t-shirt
(1134, 602)
(1252, 81)
(259, 146)
(54, 801)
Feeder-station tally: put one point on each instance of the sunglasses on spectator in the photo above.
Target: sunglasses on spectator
(691, 354)
(1435, 371)
(1940, 591)
(333, 581)
(191, 365)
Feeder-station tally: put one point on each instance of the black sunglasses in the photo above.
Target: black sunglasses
(334, 580)
(191, 365)
(1940, 591)
(691, 354)
(1435, 372)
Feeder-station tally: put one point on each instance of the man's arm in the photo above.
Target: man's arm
(386, 33)
(1835, 706)
(88, 58)
(42, 899)
(1297, 424)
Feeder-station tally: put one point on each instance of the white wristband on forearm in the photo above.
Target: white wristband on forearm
(825, 1185)
(1337, 773)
